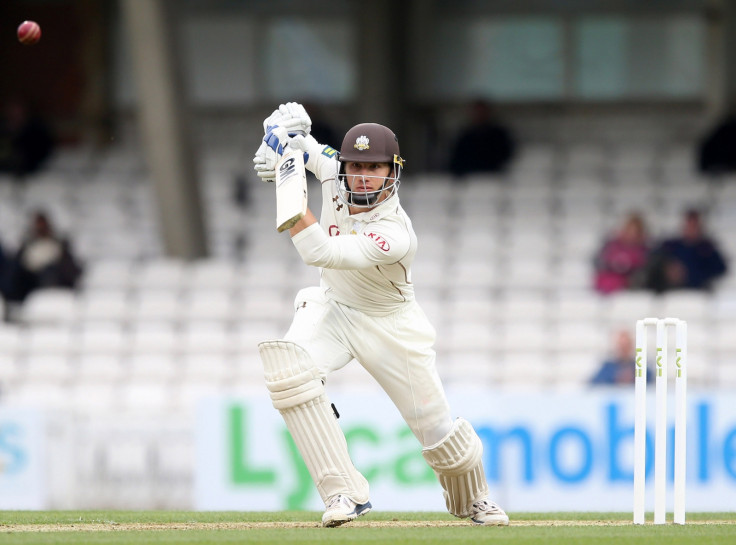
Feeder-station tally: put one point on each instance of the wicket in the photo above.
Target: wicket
(640, 419)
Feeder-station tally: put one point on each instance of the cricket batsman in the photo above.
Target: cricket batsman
(363, 309)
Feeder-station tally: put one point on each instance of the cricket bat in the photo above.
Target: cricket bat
(291, 190)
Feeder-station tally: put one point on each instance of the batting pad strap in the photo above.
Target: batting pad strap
(291, 378)
(458, 462)
(290, 392)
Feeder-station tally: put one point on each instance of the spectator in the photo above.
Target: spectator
(689, 261)
(485, 145)
(25, 140)
(717, 151)
(621, 262)
(43, 260)
(618, 367)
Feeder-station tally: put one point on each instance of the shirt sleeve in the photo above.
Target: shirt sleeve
(374, 245)
(322, 160)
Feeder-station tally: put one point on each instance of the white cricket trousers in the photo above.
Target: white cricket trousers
(395, 349)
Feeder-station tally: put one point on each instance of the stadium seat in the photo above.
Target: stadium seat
(529, 369)
(94, 398)
(207, 367)
(100, 368)
(45, 395)
(12, 341)
(248, 333)
(577, 305)
(517, 305)
(10, 371)
(50, 306)
(686, 305)
(151, 398)
(154, 338)
(582, 335)
(576, 366)
(264, 303)
(206, 337)
(525, 335)
(189, 394)
(106, 306)
(103, 338)
(466, 334)
(49, 341)
(144, 367)
(159, 305)
(629, 306)
(51, 369)
(159, 274)
(465, 368)
(108, 274)
(212, 274)
(209, 305)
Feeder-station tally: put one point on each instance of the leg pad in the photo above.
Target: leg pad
(457, 461)
(299, 395)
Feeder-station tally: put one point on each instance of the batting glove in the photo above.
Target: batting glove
(272, 148)
(264, 163)
(269, 153)
(292, 116)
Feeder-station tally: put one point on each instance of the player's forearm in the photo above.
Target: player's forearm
(303, 223)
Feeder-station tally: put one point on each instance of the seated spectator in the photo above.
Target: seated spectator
(43, 260)
(717, 151)
(25, 140)
(485, 145)
(618, 367)
(621, 262)
(691, 260)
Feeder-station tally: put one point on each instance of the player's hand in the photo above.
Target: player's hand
(292, 116)
(274, 145)
(269, 153)
(301, 142)
(264, 163)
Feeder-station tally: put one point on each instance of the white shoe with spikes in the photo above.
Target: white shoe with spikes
(488, 513)
(341, 509)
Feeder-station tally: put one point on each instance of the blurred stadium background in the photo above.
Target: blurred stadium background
(158, 109)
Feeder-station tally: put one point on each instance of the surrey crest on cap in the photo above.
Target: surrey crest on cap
(362, 143)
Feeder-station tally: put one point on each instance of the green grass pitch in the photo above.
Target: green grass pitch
(159, 527)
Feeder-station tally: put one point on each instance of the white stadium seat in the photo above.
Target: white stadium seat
(213, 274)
(58, 341)
(145, 368)
(108, 274)
(157, 305)
(159, 274)
(103, 338)
(50, 306)
(12, 341)
(206, 338)
(154, 338)
(106, 306)
(210, 304)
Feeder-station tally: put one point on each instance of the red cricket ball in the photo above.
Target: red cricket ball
(29, 32)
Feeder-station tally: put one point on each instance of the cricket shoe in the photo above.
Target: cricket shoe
(341, 509)
(488, 513)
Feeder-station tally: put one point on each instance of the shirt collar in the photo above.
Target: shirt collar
(380, 211)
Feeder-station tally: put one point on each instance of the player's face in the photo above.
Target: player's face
(368, 178)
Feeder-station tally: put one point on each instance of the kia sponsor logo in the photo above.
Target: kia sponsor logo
(379, 240)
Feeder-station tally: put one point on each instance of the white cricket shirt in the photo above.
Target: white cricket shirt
(366, 258)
